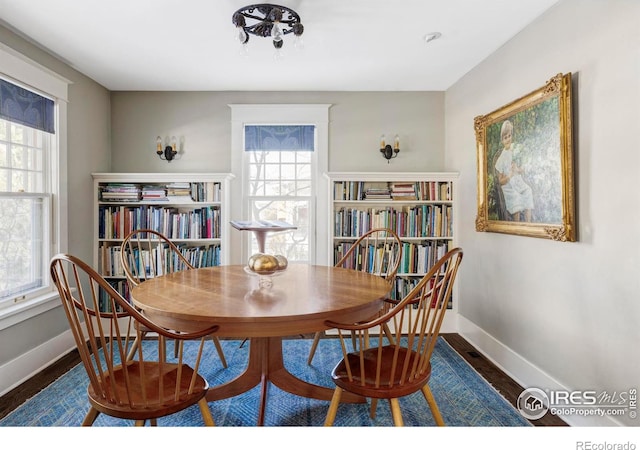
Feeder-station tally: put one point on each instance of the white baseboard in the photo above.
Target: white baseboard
(522, 371)
(20, 369)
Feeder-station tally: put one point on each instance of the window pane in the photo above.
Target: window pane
(255, 171)
(3, 154)
(34, 162)
(304, 171)
(304, 188)
(21, 238)
(289, 188)
(271, 171)
(288, 157)
(4, 180)
(256, 188)
(272, 188)
(17, 157)
(288, 172)
(303, 157)
(271, 157)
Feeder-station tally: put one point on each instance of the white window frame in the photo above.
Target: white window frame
(280, 114)
(24, 72)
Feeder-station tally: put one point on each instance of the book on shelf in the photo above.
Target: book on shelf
(377, 193)
(179, 189)
(403, 191)
(154, 193)
(114, 192)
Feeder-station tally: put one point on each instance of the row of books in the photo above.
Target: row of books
(419, 190)
(208, 191)
(403, 286)
(415, 258)
(149, 263)
(115, 222)
(409, 221)
(105, 303)
(366, 258)
(419, 258)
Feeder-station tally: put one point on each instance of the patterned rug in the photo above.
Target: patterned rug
(465, 399)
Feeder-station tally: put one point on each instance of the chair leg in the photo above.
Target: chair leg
(373, 408)
(388, 333)
(426, 391)
(176, 348)
(216, 342)
(333, 407)
(134, 346)
(91, 417)
(140, 423)
(153, 422)
(395, 412)
(314, 346)
(206, 412)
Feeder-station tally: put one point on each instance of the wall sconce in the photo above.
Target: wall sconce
(387, 151)
(170, 150)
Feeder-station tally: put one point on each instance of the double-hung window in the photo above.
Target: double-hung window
(30, 184)
(279, 158)
(279, 184)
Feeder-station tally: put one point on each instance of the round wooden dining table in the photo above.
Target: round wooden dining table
(300, 300)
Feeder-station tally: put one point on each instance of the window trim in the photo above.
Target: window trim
(25, 72)
(277, 114)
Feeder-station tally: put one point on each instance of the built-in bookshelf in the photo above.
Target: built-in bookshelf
(190, 209)
(418, 206)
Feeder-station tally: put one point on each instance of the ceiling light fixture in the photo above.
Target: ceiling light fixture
(432, 36)
(267, 20)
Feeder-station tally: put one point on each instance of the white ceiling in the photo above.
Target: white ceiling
(349, 45)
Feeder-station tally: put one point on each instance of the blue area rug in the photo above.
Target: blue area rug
(465, 399)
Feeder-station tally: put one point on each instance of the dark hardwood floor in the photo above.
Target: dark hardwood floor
(509, 389)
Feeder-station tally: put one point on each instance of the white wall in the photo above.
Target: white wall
(561, 314)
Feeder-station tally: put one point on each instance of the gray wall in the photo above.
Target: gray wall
(357, 119)
(89, 149)
(570, 310)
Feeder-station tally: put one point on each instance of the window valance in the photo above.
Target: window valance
(25, 107)
(279, 138)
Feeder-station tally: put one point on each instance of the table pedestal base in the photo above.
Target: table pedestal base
(266, 365)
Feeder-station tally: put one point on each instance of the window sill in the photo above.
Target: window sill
(20, 312)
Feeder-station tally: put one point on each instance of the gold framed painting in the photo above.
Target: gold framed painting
(525, 165)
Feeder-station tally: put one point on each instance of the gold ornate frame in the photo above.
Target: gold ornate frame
(542, 135)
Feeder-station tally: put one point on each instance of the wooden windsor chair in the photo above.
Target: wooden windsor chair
(377, 251)
(390, 370)
(146, 387)
(146, 254)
